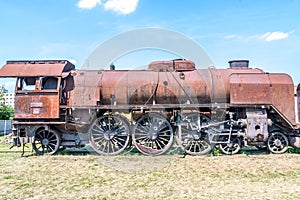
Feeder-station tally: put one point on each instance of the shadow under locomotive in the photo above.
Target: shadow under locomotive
(170, 102)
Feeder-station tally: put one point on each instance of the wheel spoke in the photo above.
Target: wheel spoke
(162, 141)
(98, 136)
(98, 140)
(50, 136)
(143, 128)
(98, 130)
(53, 141)
(122, 138)
(140, 131)
(190, 145)
(141, 138)
(111, 147)
(52, 149)
(161, 137)
(162, 127)
(117, 143)
(101, 143)
(157, 142)
(38, 137)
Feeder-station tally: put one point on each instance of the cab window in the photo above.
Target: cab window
(49, 83)
(26, 83)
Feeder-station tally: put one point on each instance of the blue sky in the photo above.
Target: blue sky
(265, 32)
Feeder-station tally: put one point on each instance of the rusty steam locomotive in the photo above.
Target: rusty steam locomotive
(170, 102)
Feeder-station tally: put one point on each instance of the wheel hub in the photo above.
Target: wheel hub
(230, 145)
(152, 135)
(196, 135)
(277, 143)
(45, 141)
(108, 135)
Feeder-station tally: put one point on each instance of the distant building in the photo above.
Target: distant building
(8, 97)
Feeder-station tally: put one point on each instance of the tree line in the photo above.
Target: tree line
(6, 111)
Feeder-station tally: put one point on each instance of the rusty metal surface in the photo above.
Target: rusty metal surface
(257, 125)
(283, 95)
(39, 100)
(225, 77)
(265, 89)
(35, 68)
(36, 105)
(172, 65)
(128, 87)
(150, 87)
(38, 94)
(86, 90)
(250, 89)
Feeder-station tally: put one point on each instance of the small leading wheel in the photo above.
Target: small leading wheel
(233, 147)
(109, 135)
(192, 138)
(278, 143)
(152, 134)
(46, 142)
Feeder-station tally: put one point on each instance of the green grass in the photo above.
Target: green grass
(125, 177)
(294, 150)
(133, 175)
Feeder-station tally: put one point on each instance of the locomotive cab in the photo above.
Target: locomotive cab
(37, 97)
(40, 87)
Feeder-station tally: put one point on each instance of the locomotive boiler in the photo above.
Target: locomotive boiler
(170, 103)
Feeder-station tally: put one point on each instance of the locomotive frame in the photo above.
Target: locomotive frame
(170, 102)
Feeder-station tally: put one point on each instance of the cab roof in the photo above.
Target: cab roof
(31, 68)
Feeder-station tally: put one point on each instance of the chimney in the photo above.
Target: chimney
(239, 64)
(112, 66)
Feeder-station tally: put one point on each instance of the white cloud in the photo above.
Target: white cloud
(270, 36)
(233, 36)
(121, 6)
(88, 4)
